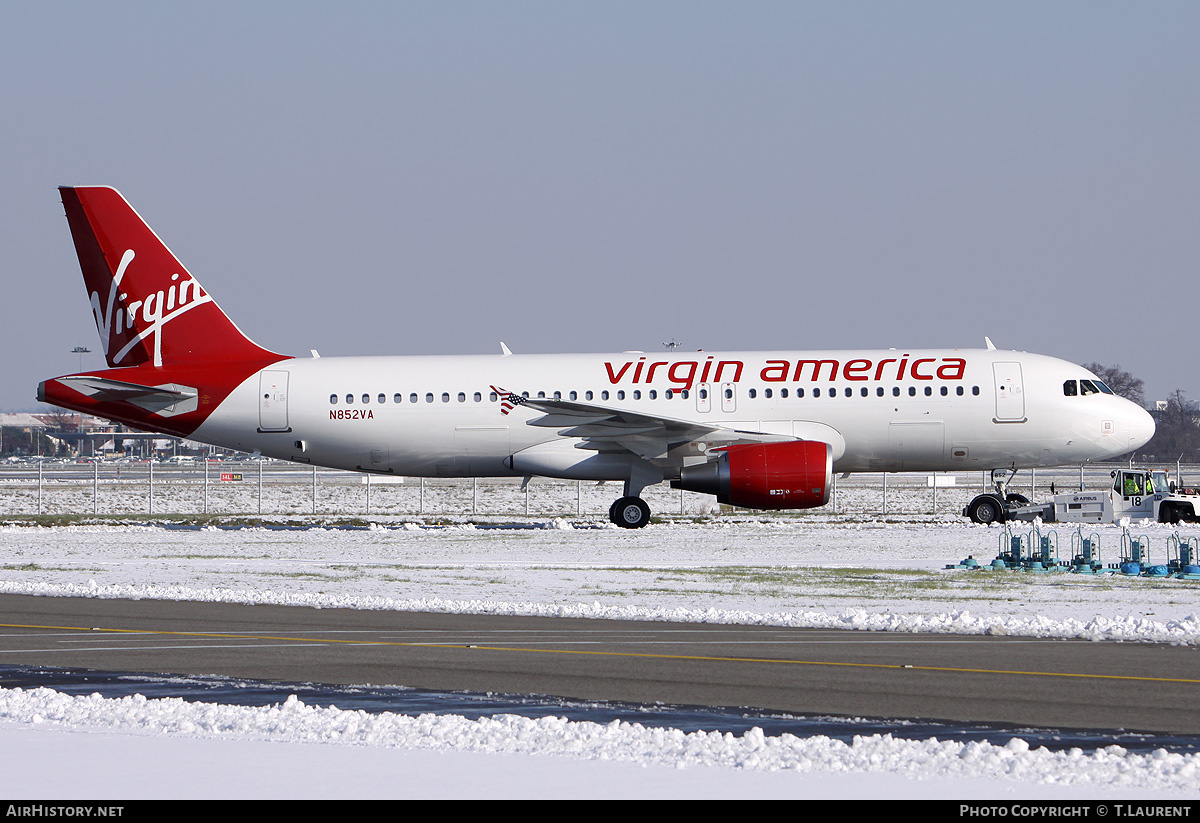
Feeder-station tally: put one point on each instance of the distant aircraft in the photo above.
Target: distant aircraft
(757, 429)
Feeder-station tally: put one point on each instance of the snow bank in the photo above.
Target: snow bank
(1110, 768)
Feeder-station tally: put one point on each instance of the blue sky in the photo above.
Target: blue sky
(393, 178)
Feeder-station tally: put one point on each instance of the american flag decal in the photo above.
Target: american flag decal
(507, 399)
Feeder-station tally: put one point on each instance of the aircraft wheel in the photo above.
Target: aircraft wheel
(985, 509)
(629, 513)
(1015, 499)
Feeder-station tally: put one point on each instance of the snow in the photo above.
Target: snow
(820, 569)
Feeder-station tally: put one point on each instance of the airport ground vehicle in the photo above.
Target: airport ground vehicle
(1134, 493)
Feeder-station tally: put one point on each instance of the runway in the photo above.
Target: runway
(1020, 681)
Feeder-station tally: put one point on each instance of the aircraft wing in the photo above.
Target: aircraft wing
(651, 437)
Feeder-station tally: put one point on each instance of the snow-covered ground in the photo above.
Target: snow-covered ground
(822, 569)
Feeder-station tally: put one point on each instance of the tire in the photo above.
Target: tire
(986, 509)
(1015, 499)
(629, 513)
(1168, 513)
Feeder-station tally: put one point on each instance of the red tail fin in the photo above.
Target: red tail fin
(148, 309)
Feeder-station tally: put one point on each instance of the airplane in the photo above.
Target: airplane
(764, 430)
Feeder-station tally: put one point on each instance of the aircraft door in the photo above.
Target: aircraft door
(729, 397)
(1010, 393)
(273, 401)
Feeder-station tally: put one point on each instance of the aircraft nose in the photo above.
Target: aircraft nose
(1140, 426)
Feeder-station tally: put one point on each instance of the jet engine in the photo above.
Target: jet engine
(793, 475)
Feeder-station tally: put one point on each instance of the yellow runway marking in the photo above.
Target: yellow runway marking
(646, 655)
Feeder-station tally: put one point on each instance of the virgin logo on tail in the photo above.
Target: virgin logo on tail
(117, 316)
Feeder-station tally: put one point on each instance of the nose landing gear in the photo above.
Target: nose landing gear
(993, 507)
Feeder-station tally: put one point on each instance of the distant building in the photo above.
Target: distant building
(1189, 406)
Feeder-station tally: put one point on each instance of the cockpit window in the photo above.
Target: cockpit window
(1070, 388)
(1087, 387)
(1103, 387)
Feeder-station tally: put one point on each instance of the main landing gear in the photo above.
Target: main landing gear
(629, 513)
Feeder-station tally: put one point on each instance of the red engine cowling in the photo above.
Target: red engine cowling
(792, 475)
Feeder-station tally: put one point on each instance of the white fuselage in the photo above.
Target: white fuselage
(889, 410)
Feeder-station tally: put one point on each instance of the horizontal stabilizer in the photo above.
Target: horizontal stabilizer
(165, 400)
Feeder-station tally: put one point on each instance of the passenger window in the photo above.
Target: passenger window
(975, 390)
(604, 394)
(683, 393)
(895, 391)
(428, 397)
(637, 394)
(366, 398)
(382, 397)
(620, 394)
(333, 399)
(462, 397)
(397, 398)
(879, 392)
(573, 395)
(668, 394)
(478, 397)
(945, 391)
(816, 392)
(412, 398)
(799, 392)
(849, 392)
(653, 394)
(587, 395)
(753, 393)
(349, 400)
(912, 391)
(958, 390)
(445, 397)
(783, 393)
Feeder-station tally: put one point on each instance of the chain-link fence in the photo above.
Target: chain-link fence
(271, 488)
